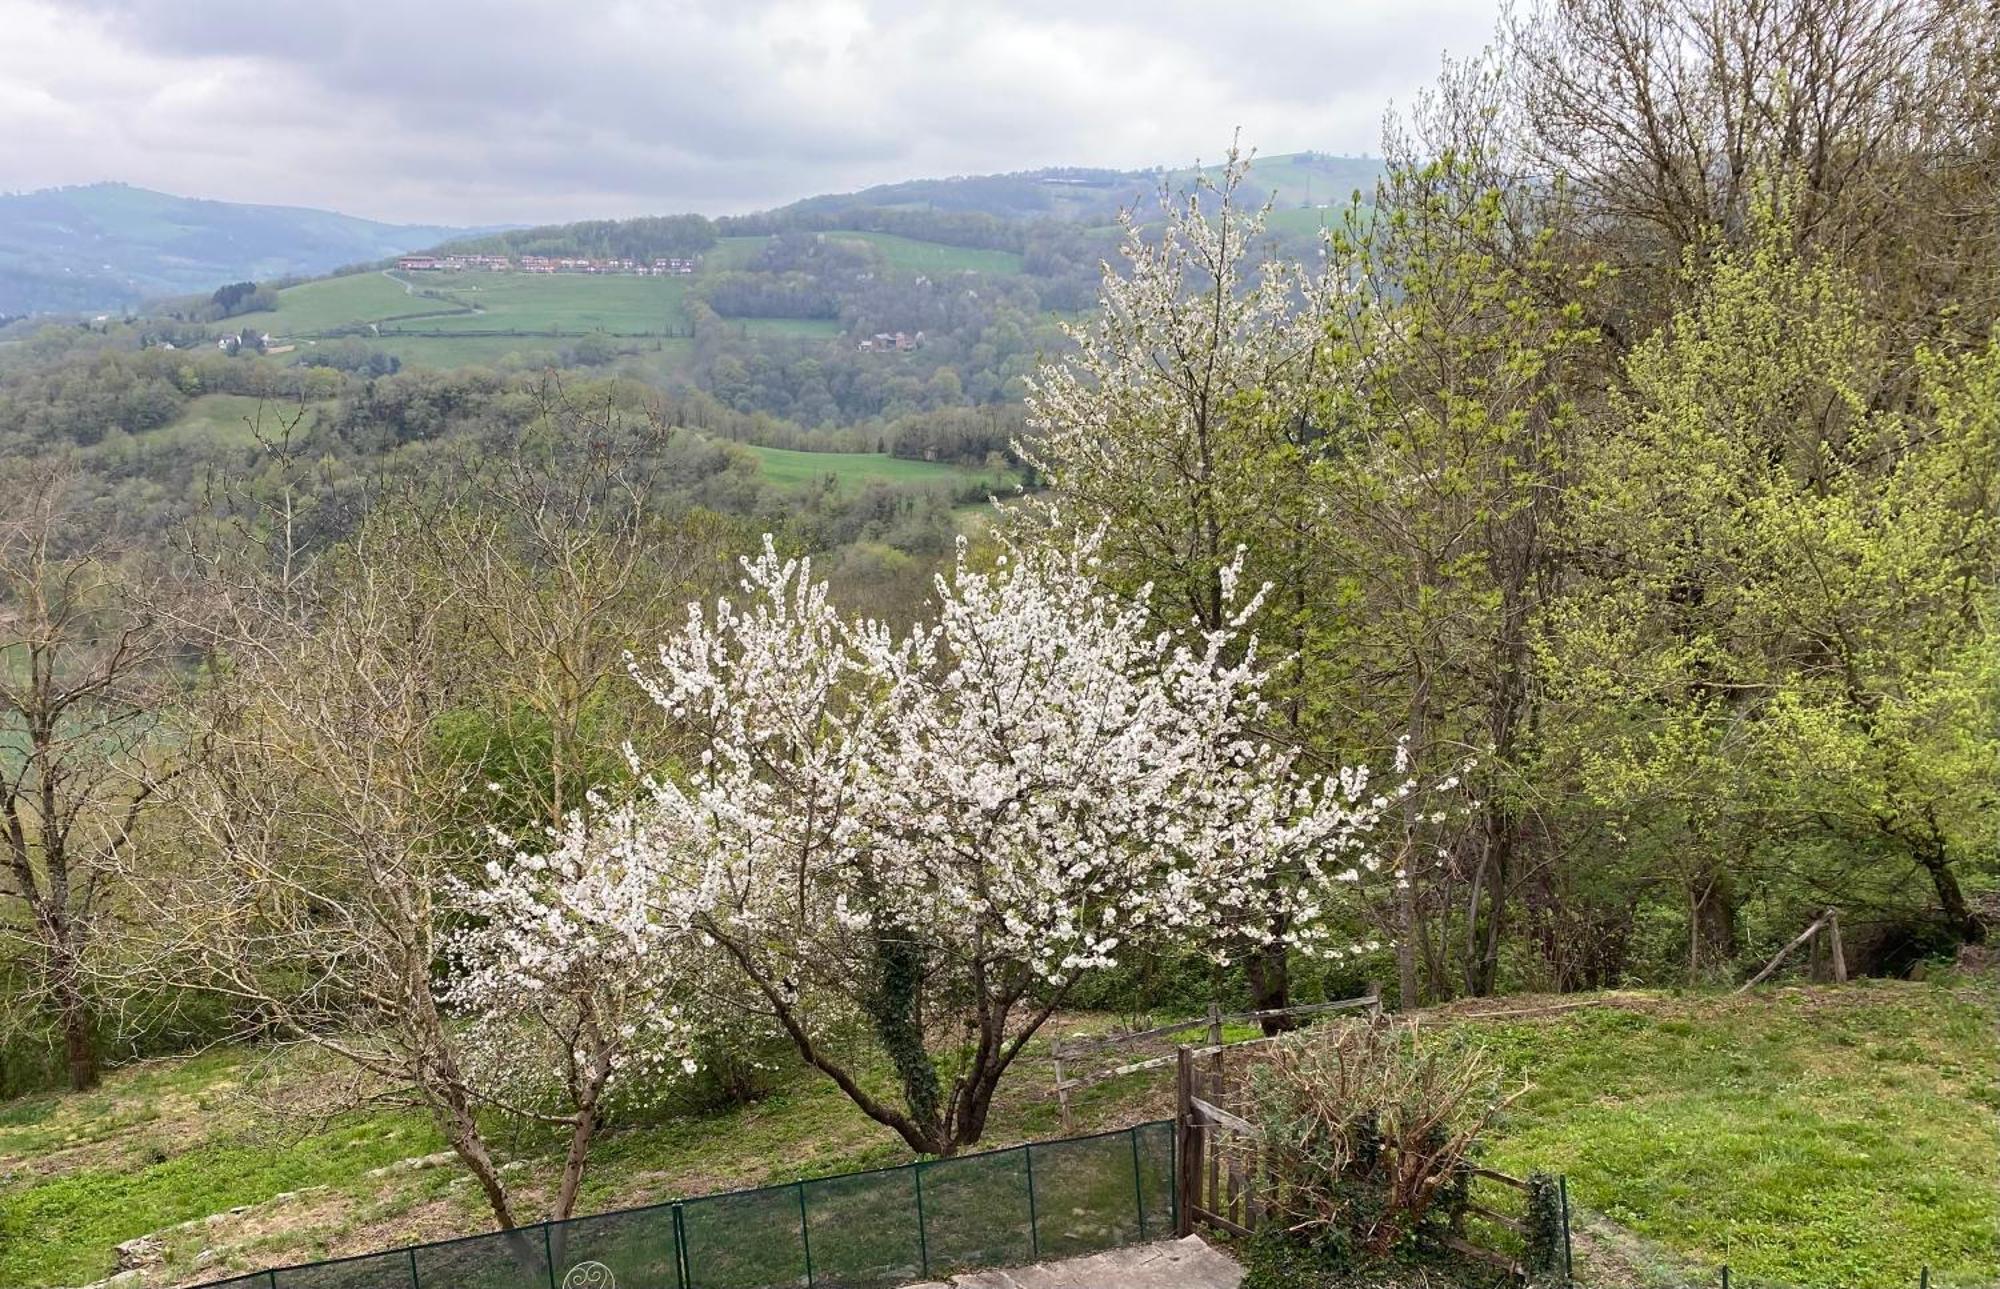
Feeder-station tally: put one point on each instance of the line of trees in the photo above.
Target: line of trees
(1642, 445)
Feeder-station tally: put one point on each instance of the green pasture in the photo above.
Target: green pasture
(911, 255)
(789, 468)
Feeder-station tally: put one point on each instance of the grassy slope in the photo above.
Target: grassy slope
(933, 257)
(1813, 1137)
(314, 307)
(789, 468)
(567, 302)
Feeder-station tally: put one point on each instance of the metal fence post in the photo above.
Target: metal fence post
(805, 1237)
(682, 1266)
(1138, 1180)
(415, 1283)
(923, 1241)
(1034, 1226)
(1569, 1265)
(1725, 1275)
(548, 1255)
(271, 1279)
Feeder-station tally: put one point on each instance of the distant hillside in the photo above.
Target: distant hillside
(105, 246)
(1293, 180)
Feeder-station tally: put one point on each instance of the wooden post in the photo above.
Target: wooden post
(1062, 1091)
(1833, 944)
(1215, 1061)
(1374, 997)
(1188, 1160)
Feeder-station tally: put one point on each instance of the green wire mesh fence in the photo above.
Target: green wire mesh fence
(1051, 1199)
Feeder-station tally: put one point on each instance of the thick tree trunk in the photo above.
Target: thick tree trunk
(1958, 914)
(1406, 943)
(79, 1038)
(1486, 907)
(72, 1004)
(1711, 921)
(1269, 973)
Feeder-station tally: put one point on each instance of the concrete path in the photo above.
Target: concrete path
(1171, 1264)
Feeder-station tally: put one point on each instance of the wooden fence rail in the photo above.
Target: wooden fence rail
(1067, 1052)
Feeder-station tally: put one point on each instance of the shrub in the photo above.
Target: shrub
(1366, 1129)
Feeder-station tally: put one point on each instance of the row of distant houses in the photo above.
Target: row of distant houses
(887, 341)
(662, 267)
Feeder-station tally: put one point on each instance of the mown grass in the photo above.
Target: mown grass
(1804, 1137)
(789, 468)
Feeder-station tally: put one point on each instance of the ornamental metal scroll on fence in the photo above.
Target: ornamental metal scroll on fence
(869, 1230)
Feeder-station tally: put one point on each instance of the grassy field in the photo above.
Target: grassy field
(784, 328)
(568, 303)
(227, 419)
(312, 308)
(1810, 1137)
(789, 468)
(934, 257)
(732, 253)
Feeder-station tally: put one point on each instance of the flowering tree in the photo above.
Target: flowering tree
(574, 979)
(1184, 419)
(931, 837)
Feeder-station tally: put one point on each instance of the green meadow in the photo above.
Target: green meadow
(911, 255)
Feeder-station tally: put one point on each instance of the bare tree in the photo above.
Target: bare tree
(372, 709)
(82, 668)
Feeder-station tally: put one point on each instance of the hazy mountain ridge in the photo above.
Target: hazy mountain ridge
(109, 246)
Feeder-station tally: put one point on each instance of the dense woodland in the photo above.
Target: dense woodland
(1620, 482)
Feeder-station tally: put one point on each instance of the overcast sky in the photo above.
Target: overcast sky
(491, 111)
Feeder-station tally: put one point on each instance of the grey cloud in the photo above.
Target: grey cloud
(452, 110)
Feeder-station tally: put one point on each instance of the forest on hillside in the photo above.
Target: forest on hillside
(1577, 571)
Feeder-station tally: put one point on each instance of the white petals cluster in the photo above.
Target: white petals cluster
(1037, 781)
(579, 944)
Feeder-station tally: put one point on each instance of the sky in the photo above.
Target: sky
(532, 111)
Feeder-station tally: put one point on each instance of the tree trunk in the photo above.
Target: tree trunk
(579, 1152)
(1269, 973)
(1406, 942)
(1958, 914)
(1483, 932)
(79, 1040)
(462, 1131)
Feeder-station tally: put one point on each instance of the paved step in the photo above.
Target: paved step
(1170, 1264)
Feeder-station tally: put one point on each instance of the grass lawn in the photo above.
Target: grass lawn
(1827, 1137)
(1832, 1138)
(226, 420)
(909, 254)
(789, 468)
(538, 304)
(446, 352)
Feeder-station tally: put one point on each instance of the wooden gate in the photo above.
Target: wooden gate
(1220, 1181)
(1218, 1176)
